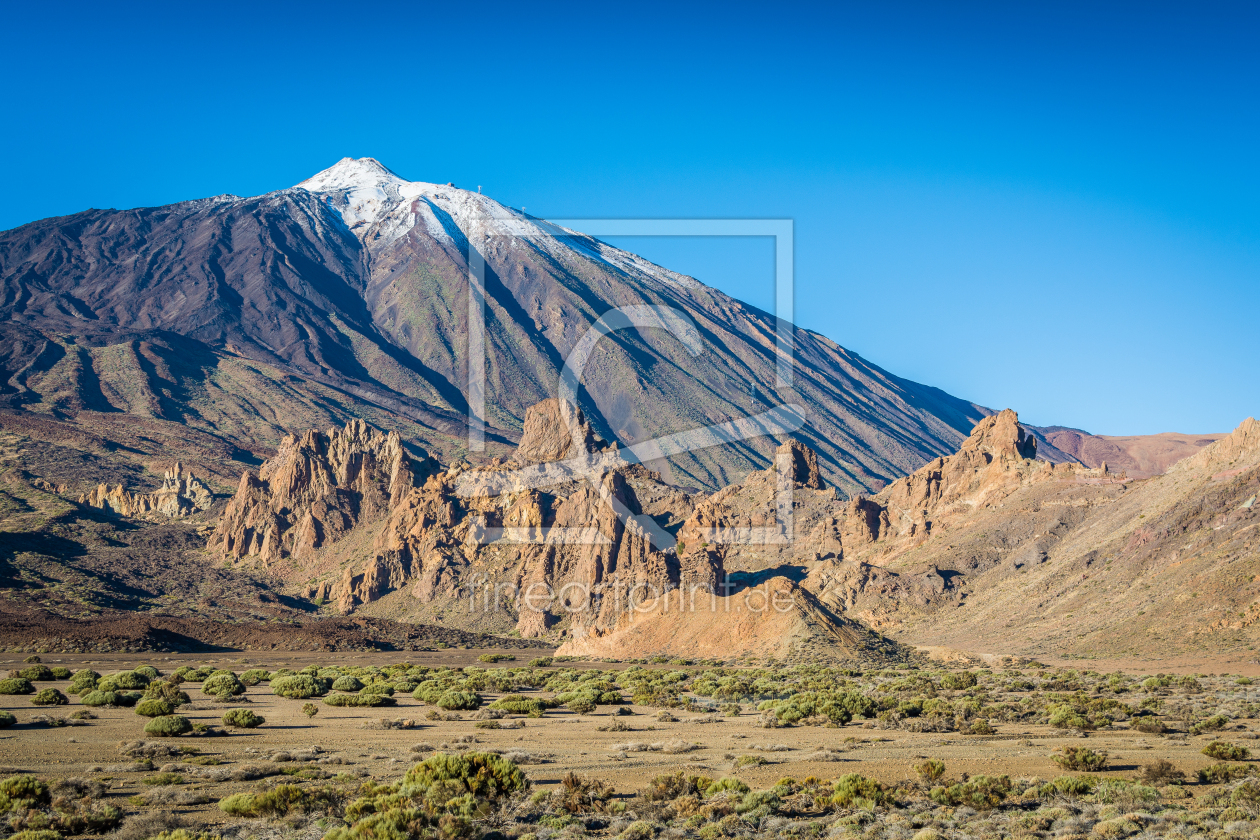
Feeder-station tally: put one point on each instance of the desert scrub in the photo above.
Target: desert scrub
(16, 685)
(496, 657)
(223, 684)
(1080, 758)
(36, 673)
(437, 799)
(300, 686)
(930, 771)
(457, 701)
(242, 719)
(310, 709)
(254, 676)
(1222, 751)
(96, 698)
(856, 791)
(347, 684)
(359, 700)
(84, 680)
(749, 761)
(160, 779)
(282, 800)
(517, 704)
(980, 792)
(6, 719)
(124, 681)
(49, 697)
(168, 726)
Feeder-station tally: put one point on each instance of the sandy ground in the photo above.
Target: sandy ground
(570, 742)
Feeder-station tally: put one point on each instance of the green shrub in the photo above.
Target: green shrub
(223, 685)
(61, 672)
(242, 719)
(496, 657)
(1222, 751)
(254, 676)
(299, 686)
(855, 791)
(1067, 786)
(16, 685)
(980, 792)
(518, 705)
(82, 681)
(347, 683)
(931, 770)
(280, 801)
(36, 673)
(20, 792)
(541, 662)
(124, 680)
(729, 783)
(128, 698)
(310, 710)
(958, 681)
(49, 697)
(168, 691)
(36, 834)
(1218, 774)
(152, 707)
(457, 700)
(482, 775)
(1080, 758)
(580, 706)
(96, 697)
(6, 719)
(359, 700)
(163, 779)
(378, 688)
(148, 671)
(1066, 717)
(168, 726)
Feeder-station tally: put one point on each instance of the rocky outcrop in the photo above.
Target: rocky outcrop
(181, 494)
(553, 430)
(318, 486)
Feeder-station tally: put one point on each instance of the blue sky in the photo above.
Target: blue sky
(1049, 206)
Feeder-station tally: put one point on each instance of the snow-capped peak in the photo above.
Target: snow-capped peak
(349, 174)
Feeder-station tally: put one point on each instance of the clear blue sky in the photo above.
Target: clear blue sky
(1049, 206)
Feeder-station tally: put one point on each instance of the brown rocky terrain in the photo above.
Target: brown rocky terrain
(1140, 456)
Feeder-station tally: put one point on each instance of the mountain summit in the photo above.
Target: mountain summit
(240, 319)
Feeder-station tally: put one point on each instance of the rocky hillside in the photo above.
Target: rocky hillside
(241, 319)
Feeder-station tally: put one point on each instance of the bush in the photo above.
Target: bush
(82, 681)
(1218, 774)
(6, 719)
(168, 726)
(299, 687)
(1149, 724)
(162, 779)
(124, 680)
(518, 705)
(60, 672)
(359, 700)
(96, 697)
(152, 707)
(1067, 786)
(854, 790)
(1080, 758)
(223, 685)
(458, 700)
(481, 775)
(16, 685)
(496, 657)
(20, 792)
(1161, 771)
(242, 719)
(168, 691)
(310, 710)
(580, 706)
(931, 770)
(50, 697)
(36, 673)
(541, 662)
(347, 683)
(280, 801)
(254, 676)
(980, 792)
(1222, 751)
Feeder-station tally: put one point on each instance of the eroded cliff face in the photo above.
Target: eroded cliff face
(578, 550)
(318, 487)
(181, 494)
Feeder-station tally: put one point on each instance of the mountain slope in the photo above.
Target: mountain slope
(347, 296)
